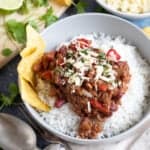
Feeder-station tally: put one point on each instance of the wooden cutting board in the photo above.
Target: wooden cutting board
(7, 42)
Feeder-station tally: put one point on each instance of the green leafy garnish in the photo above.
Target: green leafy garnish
(49, 17)
(7, 100)
(6, 52)
(84, 52)
(69, 55)
(69, 65)
(17, 30)
(102, 55)
(25, 7)
(33, 24)
(81, 6)
(38, 3)
(82, 60)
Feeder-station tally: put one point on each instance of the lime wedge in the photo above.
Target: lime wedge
(10, 4)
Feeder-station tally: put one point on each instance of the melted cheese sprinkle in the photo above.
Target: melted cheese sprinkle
(83, 60)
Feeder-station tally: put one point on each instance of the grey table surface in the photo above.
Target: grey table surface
(8, 73)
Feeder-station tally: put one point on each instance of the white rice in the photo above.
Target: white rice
(134, 102)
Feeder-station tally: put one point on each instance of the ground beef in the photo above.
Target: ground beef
(93, 101)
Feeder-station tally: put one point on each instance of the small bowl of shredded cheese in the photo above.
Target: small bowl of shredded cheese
(129, 9)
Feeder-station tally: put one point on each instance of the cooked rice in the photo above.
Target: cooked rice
(134, 102)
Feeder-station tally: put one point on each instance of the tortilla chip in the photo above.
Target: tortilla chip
(33, 51)
(30, 96)
(147, 31)
(34, 44)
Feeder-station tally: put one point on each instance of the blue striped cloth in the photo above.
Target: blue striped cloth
(142, 23)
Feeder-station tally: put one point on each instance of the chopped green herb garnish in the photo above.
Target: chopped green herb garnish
(69, 65)
(81, 6)
(6, 52)
(25, 7)
(33, 24)
(7, 100)
(49, 17)
(105, 67)
(38, 3)
(69, 55)
(17, 30)
(82, 60)
(84, 52)
(102, 55)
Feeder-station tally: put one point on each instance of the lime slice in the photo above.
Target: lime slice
(10, 4)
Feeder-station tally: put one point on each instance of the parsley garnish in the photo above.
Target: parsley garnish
(49, 17)
(29, 4)
(6, 52)
(38, 3)
(33, 24)
(81, 6)
(102, 55)
(69, 65)
(7, 100)
(84, 52)
(17, 30)
(82, 60)
(25, 7)
(69, 55)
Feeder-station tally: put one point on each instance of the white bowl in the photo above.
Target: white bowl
(88, 23)
(130, 16)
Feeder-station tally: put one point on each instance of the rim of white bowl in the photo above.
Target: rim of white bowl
(131, 16)
(115, 138)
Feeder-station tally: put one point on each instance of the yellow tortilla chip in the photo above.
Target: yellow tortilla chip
(34, 42)
(34, 50)
(147, 31)
(30, 96)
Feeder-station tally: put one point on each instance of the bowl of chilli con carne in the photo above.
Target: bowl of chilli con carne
(91, 81)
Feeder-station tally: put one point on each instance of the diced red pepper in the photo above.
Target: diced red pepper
(59, 103)
(103, 87)
(63, 50)
(84, 42)
(46, 75)
(113, 106)
(100, 107)
(51, 55)
(60, 61)
(112, 53)
(72, 47)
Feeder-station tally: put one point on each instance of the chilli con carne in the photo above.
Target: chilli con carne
(91, 80)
